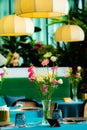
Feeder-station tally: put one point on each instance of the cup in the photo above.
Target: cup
(5, 115)
(20, 120)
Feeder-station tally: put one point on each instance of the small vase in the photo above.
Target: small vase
(74, 94)
(46, 111)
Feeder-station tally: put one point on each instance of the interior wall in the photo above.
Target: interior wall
(23, 72)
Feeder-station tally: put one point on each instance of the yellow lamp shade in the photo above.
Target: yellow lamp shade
(13, 25)
(69, 33)
(41, 8)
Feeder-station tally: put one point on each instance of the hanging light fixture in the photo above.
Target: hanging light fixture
(3, 60)
(13, 25)
(41, 8)
(69, 33)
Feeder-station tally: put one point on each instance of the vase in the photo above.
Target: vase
(46, 111)
(74, 93)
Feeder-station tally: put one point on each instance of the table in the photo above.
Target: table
(34, 119)
(71, 109)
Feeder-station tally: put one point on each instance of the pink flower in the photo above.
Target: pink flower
(43, 47)
(31, 69)
(31, 76)
(38, 43)
(45, 62)
(78, 75)
(2, 74)
(54, 67)
(55, 81)
(67, 75)
(44, 88)
(36, 48)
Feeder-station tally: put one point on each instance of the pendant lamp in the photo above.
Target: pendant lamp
(69, 33)
(13, 25)
(3, 60)
(41, 8)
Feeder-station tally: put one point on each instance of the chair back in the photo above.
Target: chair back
(27, 103)
(85, 109)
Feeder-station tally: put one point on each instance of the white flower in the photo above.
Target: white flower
(0, 78)
(40, 78)
(79, 68)
(53, 58)
(50, 74)
(60, 81)
(5, 71)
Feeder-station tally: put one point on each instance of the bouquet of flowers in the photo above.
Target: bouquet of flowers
(75, 76)
(46, 82)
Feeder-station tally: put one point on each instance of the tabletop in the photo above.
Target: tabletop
(34, 121)
(38, 126)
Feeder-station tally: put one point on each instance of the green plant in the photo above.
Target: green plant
(27, 49)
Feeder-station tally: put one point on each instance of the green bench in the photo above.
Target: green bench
(23, 87)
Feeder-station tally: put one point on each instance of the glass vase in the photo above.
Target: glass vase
(46, 111)
(74, 93)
